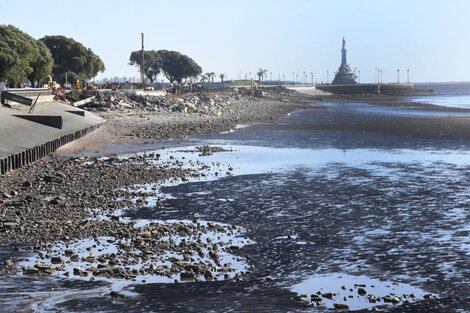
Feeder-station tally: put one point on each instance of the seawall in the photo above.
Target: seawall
(386, 89)
(25, 138)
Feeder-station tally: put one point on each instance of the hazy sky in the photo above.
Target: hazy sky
(431, 38)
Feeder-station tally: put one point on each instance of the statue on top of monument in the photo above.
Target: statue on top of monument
(344, 75)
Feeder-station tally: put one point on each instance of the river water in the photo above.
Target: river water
(325, 211)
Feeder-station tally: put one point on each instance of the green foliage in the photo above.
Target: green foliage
(18, 51)
(152, 63)
(177, 66)
(42, 66)
(72, 57)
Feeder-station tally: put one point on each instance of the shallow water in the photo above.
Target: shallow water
(357, 292)
(375, 209)
(453, 101)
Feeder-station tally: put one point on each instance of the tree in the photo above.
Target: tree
(152, 63)
(222, 76)
(177, 66)
(18, 51)
(203, 78)
(73, 58)
(210, 77)
(42, 66)
(261, 72)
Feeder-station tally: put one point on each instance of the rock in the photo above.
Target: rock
(391, 299)
(328, 295)
(208, 274)
(6, 195)
(52, 179)
(186, 275)
(8, 262)
(8, 225)
(341, 306)
(30, 270)
(316, 298)
(56, 260)
(42, 266)
(361, 291)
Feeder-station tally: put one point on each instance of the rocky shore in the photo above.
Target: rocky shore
(65, 215)
(214, 112)
(63, 203)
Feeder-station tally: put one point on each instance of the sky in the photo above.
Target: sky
(430, 38)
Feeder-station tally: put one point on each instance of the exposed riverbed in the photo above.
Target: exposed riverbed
(311, 216)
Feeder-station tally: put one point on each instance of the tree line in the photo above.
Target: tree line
(174, 65)
(23, 58)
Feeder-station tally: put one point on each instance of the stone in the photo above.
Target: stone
(52, 179)
(42, 266)
(316, 298)
(8, 262)
(361, 291)
(341, 306)
(391, 299)
(56, 260)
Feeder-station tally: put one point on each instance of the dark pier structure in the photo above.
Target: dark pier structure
(345, 82)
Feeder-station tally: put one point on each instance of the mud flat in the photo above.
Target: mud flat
(189, 227)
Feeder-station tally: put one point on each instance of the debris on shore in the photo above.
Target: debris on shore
(204, 102)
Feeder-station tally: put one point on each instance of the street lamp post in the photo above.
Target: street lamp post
(359, 76)
(407, 75)
(293, 77)
(311, 74)
(398, 76)
(327, 77)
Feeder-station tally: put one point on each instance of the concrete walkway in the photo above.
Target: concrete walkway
(23, 141)
(309, 90)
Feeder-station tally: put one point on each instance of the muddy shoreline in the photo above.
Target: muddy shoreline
(63, 197)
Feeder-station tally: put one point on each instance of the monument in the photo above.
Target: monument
(345, 75)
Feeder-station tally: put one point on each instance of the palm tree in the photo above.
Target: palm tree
(261, 72)
(210, 77)
(203, 78)
(222, 76)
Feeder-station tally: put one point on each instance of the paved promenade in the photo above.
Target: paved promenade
(25, 137)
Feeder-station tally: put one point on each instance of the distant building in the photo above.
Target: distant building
(344, 75)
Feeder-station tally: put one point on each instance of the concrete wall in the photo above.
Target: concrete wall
(25, 138)
(37, 152)
(386, 89)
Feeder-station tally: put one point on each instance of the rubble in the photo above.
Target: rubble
(203, 102)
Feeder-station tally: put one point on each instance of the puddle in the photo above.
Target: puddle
(343, 291)
(250, 160)
(204, 254)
